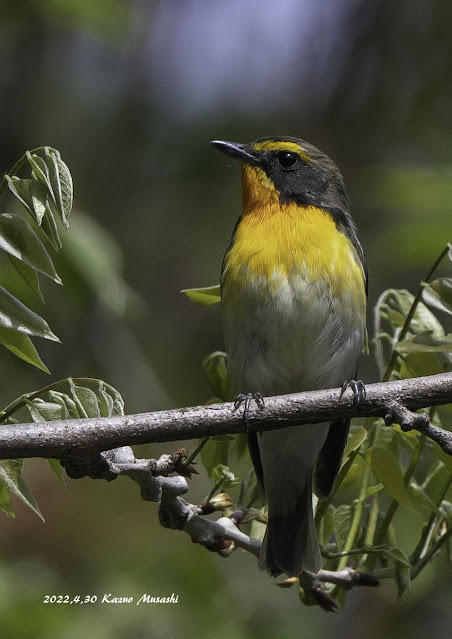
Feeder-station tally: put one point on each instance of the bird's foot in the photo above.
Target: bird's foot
(358, 389)
(246, 400)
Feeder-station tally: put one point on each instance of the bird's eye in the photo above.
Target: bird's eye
(287, 159)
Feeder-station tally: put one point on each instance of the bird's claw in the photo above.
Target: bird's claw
(246, 399)
(358, 389)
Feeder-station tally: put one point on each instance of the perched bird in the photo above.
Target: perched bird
(293, 294)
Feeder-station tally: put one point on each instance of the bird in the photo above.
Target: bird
(293, 297)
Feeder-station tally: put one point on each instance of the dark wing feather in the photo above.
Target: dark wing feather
(330, 457)
(253, 447)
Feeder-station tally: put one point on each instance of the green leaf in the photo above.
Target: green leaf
(19, 240)
(444, 457)
(22, 346)
(11, 476)
(386, 468)
(16, 316)
(50, 229)
(62, 400)
(409, 440)
(442, 417)
(226, 476)
(439, 294)
(206, 296)
(42, 411)
(355, 440)
(67, 190)
(28, 274)
(213, 454)
(342, 523)
(390, 537)
(85, 400)
(69, 406)
(41, 172)
(387, 439)
(118, 404)
(327, 525)
(419, 364)
(22, 191)
(421, 500)
(432, 475)
(397, 556)
(32, 194)
(372, 490)
(413, 346)
(403, 569)
(395, 307)
(38, 199)
(61, 181)
(425, 354)
(5, 500)
(425, 321)
(110, 400)
(106, 403)
(354, 474)
(215, 368)
(257, 530)
(57, 470)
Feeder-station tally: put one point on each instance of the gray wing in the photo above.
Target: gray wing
(330, 457)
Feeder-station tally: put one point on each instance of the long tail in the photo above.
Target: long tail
(288, 457)
(290, 542)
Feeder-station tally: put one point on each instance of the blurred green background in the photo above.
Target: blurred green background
(131, 92)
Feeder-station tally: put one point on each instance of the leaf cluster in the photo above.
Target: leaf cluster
(83, 398)
(45, 197)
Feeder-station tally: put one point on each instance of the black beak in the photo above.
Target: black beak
(236, 151)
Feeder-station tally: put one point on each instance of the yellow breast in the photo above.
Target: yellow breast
(285, 238)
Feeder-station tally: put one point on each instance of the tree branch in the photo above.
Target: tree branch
(174, 511)
(85, 437)
(221, 536)
(100, 448)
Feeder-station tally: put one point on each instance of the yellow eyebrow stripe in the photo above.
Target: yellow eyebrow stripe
(273, 145)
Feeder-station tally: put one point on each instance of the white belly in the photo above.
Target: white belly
(287, 334)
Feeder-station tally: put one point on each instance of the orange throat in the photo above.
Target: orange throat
(283, 238)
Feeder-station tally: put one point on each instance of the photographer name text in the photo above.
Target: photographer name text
(110, 598)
